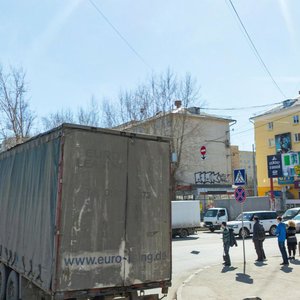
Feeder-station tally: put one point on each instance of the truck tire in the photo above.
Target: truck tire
(12, 286)
(272, 230)
(3, 280)
(184, 233)
(211, 229)
(244, 231)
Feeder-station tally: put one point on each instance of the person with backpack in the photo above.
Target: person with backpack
(226, 244)
(228, 241)
(258, 239)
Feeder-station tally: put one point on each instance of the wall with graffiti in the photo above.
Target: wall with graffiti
(211, 177)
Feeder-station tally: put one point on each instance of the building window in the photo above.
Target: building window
(296, 119)
(297, 137)
(271, 142)
(270, 125)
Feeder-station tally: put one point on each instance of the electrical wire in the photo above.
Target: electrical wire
(250, 129)
(119, 34)
(241, 108)
(255, 50)
(264, 124)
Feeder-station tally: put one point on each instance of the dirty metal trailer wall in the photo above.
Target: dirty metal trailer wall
(28, 191)
(148, 215)
(115, 223)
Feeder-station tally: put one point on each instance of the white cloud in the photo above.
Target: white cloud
(42, 42)
(288, 21)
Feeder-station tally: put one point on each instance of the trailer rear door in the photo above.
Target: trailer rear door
(92, 242)
(148, 236)
(115, 212)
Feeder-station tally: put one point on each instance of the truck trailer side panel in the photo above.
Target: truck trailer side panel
(186, 214)
(28, 194)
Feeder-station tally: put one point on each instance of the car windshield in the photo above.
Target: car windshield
(297, 217)
(290, 213)
(246, 217)
(211, 213)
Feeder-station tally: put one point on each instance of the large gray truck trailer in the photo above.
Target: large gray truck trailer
(85, 214)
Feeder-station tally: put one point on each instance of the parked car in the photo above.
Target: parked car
(290, 213)
(296, 219)
(266, 218)
(228, 210)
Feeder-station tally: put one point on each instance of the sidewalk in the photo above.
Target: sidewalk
(267, 281)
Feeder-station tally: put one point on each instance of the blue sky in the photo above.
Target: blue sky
(71, 53)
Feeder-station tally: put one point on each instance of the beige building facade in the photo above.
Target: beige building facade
(189, 130)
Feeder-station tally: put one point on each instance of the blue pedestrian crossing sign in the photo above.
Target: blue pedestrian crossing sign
(239, 177)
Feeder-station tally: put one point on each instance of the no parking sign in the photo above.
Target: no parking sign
(240, 194)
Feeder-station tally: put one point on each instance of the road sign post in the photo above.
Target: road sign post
(240, 197)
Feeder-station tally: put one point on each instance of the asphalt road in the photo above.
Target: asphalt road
(206, 249)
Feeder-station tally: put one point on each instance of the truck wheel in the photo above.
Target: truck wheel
(12, 286)
(184, 233)
(3, 280)
(244, 232)
(272, 230)
(211, 229)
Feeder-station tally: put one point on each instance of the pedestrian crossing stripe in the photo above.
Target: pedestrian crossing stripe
(240, 177)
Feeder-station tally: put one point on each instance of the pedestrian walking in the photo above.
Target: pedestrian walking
(258, 239)
(291, 239)
(281, 236)
(226, 244)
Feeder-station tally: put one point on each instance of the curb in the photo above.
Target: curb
(179, 290)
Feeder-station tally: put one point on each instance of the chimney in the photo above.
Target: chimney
(178, 103)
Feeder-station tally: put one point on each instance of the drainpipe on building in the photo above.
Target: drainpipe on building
(254, 172)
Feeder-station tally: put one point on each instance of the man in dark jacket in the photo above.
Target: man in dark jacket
(258, 239)
(226, 244)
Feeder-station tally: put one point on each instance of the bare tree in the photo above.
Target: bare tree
(154, 101)
(90, 115)
(109, 116)
(57, 118)
(16, 118)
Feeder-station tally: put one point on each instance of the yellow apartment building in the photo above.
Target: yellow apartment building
(277, 131)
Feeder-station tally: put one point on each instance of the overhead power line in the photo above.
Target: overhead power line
(264, 124)
(119, 34)
(241, 108)
(255, 50)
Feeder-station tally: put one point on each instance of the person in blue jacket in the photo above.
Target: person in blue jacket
(281, 236)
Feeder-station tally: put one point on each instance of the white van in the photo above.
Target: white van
(266, 218)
